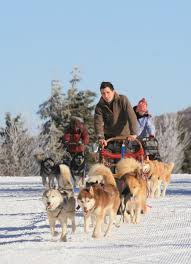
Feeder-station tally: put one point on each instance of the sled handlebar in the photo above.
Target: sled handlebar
(123, 138)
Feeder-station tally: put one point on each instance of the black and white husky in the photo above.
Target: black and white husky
(49, 171)
(79, 169)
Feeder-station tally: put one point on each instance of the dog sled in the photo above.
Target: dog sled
(118, 148)
(151, 148)
(121, 147)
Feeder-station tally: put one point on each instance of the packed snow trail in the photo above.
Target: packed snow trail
(163, 235)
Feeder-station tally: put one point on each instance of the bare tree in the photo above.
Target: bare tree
(173, 139)
(16, 148)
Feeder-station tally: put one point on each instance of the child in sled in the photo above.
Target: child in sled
(146, 130)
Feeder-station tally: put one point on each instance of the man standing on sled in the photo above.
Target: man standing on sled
(114, 115)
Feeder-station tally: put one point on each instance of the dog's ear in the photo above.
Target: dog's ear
(91, 191)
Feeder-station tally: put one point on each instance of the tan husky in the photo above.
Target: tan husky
(128, 165)
(100, 200)
(159, 174)
(129, 173)
(137, 203)
(60, 204)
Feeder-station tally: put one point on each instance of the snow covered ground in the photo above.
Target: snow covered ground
(163, 235)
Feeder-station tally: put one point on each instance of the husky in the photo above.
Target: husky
(127, 165)
(49, 171)
(159, 174)
(133, 189)
(100, 200)
(138, 196)
(60, 203)
(78, 168)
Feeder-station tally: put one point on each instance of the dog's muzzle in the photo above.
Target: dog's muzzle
(48, 207)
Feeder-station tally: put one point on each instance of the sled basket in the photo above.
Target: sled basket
(110, 154)
(151, 147)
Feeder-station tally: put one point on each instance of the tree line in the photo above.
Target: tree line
(18, 146)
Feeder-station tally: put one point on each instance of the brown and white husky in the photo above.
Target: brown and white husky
(100, 200)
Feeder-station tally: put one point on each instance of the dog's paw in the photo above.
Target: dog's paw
(55, 234)
(137, 221)
(63, 239)
(96, 235)
(162, 194)
(107, 234)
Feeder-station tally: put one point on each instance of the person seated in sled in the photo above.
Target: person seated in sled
(146, 129)
(75, 139)
(76, 136)
(114, 116)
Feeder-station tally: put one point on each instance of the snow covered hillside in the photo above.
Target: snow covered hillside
(163, 235)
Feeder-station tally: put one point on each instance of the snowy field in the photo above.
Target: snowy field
(163, 235)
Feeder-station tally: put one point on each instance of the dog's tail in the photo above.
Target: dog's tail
(127, 165)
(65, 177)
(101, 169)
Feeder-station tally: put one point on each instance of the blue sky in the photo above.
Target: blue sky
(143, 47)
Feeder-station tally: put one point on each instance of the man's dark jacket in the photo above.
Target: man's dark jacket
(115, 119)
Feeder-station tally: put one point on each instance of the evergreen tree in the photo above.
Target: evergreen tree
(53, 109)
(57, 112)
(52, 112)
(81, 103)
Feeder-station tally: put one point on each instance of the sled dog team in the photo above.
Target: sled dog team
(106, 194)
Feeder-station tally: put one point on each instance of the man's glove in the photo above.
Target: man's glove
(102, 142)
